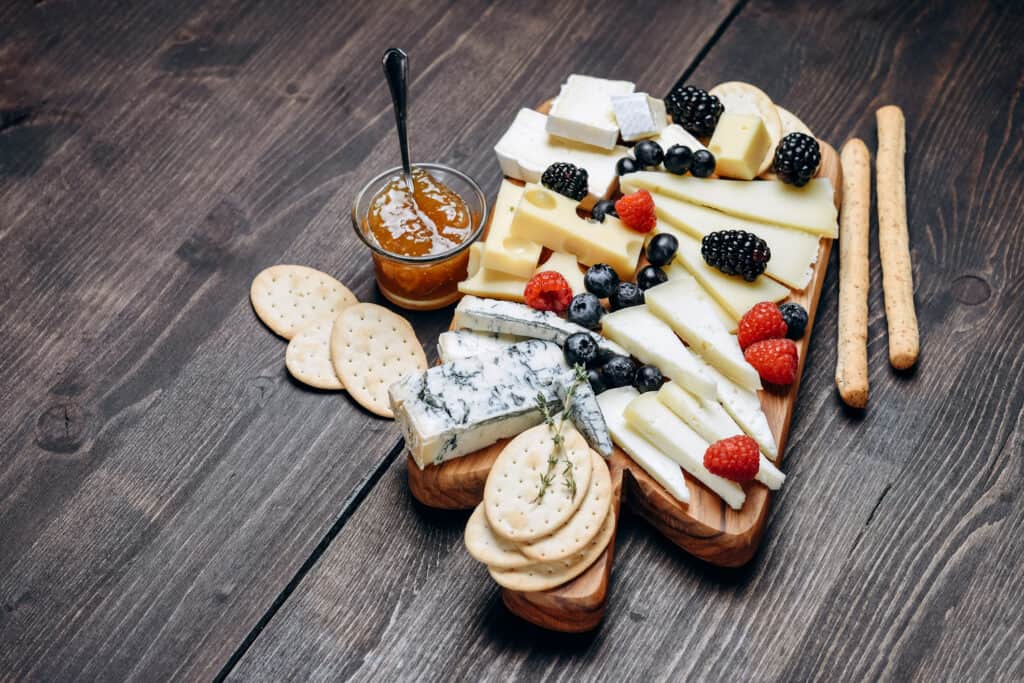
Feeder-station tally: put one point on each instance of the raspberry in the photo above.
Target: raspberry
(774, 359)
(637, 211)
(736, 458)
(548, 291)
(762, 321)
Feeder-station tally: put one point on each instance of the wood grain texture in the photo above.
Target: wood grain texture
(894, 549)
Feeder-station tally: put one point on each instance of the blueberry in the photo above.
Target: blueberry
(648, 153)
(601, 280)
(650, 276)
(605, 207)
(648, 378)
(678, 159)
(596, 381)
(585, 309)
(796, 319)
(580, 349)
(618, 372)
(626, 294)
(626, 165)
(662, 249)
(703, 163)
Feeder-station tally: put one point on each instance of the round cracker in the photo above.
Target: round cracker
(583, 526)
(308, 357)
(510, 494)
(288, 298)
(742, 98)
(547, 575)
(371, 349)
(486, 546)
(791, 124)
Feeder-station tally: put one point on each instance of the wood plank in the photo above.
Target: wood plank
(894, 548)
(164, 480)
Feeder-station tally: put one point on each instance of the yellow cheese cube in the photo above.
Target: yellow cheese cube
(566, 265)
(739, 144)
(504, 253)
(488, 283)
(549, 218)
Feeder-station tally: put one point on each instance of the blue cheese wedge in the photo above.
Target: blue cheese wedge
(508, 317)
(462, 406)
(585, 413)
(456, 344)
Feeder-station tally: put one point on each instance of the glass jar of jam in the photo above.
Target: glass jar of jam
(419, 236)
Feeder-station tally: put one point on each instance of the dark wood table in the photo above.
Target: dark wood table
(173, 505)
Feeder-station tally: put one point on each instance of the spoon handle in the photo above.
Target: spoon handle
(396, 69)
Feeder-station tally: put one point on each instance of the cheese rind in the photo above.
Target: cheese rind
(489, 283)
(740, 143)
(648, 338)
(662, 469)
(549, 218)
(456, 344)
(567, 266)
(639, 115)
(809, 208)
(583, 112)
(678, 304)
(504, 253)
(462, 406)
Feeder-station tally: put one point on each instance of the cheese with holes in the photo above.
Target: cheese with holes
(567, 266)
(794, 252)
(526, 150)
(639, 115)
(504, 253)
(645, 336)
(679, 273)
(662, 469)
(489, 283)
(809, 208)
(549, 218)
(583, 112)
(712, 423)
(678, 304)
(456, 344)
(467, 404)
(740, 143)
(677, 440)
(733, 293)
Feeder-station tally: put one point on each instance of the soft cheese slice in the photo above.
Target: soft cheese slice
(504, 253)
(585, 413)
(583, 112)
(504, 317)
(639, 115)
(456, 344)
(489, 283)
(794, 252)
(735, 294)
(648, 338)
(526, 149)
(462, 406)
(678, 441)
(675, 134)
(549, 218)
(745, 408)
(679, 304)
(567, 266)
(662, 469)
(679, 273)
(809, 208)
(710, 420)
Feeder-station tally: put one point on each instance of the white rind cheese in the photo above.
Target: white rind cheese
(456, 344)
(639, 115)
(662, 469)
(583, 112)
(468, 404)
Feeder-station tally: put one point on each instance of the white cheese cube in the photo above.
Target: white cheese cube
(583, 111)
(639, 115)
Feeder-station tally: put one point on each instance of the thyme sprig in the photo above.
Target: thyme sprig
(558, 439)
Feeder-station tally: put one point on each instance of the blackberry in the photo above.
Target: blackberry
(566, 179)
(694, 109)
(795, 316)
(797, 159)
(736, 252)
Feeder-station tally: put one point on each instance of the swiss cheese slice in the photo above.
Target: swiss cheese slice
(567, 266)
(809, 208)
(507, 254)
(491, 284)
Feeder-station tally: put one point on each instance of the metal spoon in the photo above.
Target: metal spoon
(396, 70)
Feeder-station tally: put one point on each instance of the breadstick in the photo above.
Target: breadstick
(854, 223)
(894, 238)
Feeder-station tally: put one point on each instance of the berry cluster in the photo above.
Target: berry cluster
(766, 333)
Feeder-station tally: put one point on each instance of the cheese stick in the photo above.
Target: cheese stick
(854, 223)
(894, 239)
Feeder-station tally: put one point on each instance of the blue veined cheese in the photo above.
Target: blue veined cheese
(586, 414)
(509, 317)
(467, 404)
(456, 344)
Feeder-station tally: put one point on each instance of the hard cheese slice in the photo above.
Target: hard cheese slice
(645, 336)
(489, 283)
(679, 304)
(710, 420)
(567, 266)
(456, 344)
(678, 441)
(662, 469)
(745, 408)
(462, 406)
(794, 252)
(549, 218)
(679, 273)
(733, 293)
(504, 253)
(809, 208)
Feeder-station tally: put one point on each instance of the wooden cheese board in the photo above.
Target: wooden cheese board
(706, 527)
